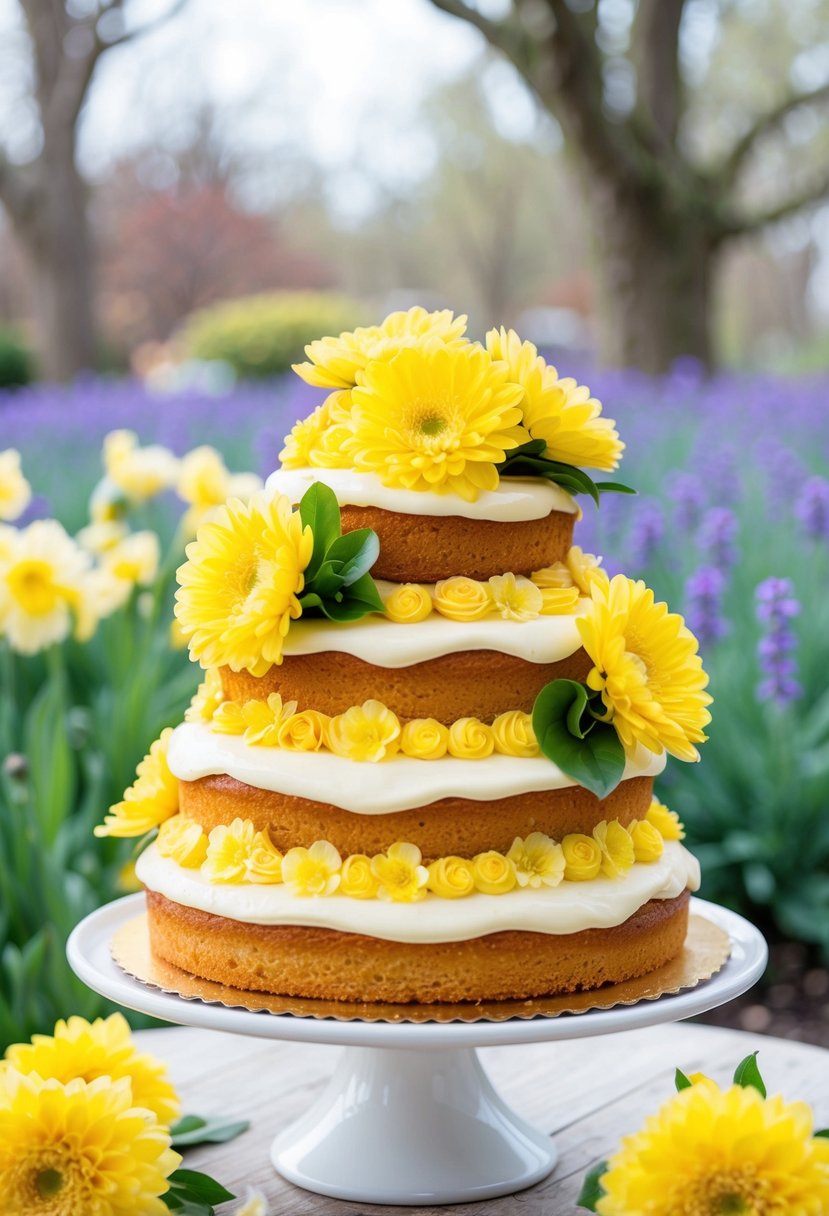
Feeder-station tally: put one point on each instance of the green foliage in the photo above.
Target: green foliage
(337, 579)
(681, 1081)
(592, 1189)
(528, 461)
(261, 336)
(191, 1130)
(747, 1074)
(194, 1194)
(567, 725)
(16, 362)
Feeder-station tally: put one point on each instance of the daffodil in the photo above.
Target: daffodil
(43, 577)
(139, 473)
(134, 559)
(15, 491)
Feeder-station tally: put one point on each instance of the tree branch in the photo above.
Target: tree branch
(733, 163)
(505, 36)
(742, 225)
(656, 55)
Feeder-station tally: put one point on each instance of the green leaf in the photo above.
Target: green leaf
(596, 760)
(823, 1134)
(353, 554)
(592, 1189)
(576, 711)
(319, 510)
(748, 1075)
(681, 1081)
(199, 1188)
(192, 1130)
(614, 487)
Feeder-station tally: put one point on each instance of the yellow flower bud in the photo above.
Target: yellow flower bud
(425, 739)
(264, 862)
(451, 877)
(494, 874)
(513, 734)
(647, 842)
(470, 739)
(183, 841)
(582, 857)
(303, 732)
(357, 878)
(666, 822)
(462, 599)
(408, 604)
(616, 846)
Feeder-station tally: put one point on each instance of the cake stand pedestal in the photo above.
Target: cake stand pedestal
(409, 1116)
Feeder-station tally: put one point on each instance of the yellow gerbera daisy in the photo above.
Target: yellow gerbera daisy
(436, 418)
(15, 491)
(80, 1148)
(42, 579)
(337, 362)
(710, 1152)
(559, 411)
(239, 587)
(646, 668)
(152, 797)
(103, 1048)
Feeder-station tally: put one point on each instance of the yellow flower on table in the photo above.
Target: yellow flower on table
(470, 739)
(367, 732)
(666, 822)
(712, 1151)
(357, 879)
(103, 1048)
(183, 841)
(43, 586)
(648, 844)
(15, 491)
(337, 362)
(152, 797)
(616, 847)
(205, 483)
(80, 1148)
(559, 601)
(207, 698)
(314, 871)
(408, 604)
(134, 559)
(140, 473)
(228, 848)
(436, 418)
(401, 873)
(515, 598)
(493, 873)
(265, 719)
(559, 411)
(462, 599)
(238, 590)
(513, 734)
(538, 861)
(304, 731)
(424, 739)
(451, 877)
(582, 857)
(646, 667)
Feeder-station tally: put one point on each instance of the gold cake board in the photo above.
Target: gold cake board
(706, 950)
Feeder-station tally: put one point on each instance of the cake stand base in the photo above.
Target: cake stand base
(412, 1128)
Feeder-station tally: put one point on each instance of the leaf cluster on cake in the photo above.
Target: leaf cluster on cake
(420, 765)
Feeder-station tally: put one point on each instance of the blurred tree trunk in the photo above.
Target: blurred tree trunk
(660, 219)
(46, 199)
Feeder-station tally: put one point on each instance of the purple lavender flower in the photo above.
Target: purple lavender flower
(812, 508)
(688, 494)
(703, 604)
(646, 533)
(776, 607)
(717, 535)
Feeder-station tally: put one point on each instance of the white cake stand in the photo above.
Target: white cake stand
(409, 1116)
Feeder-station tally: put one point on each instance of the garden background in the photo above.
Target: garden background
(640, 188)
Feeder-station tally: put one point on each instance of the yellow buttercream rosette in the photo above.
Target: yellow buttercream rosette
(408, 604)
(304, 731)
(424, 739)
(183, 841)
(493, 873)
(513, 734)
(582, 857)
(470, 739)
(648, 844)
(357, 879)
(462, 599)
(451, 877)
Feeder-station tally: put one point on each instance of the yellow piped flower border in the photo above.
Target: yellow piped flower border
(237, 853)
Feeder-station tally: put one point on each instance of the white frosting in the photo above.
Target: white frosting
(377, 640)
(517, 498)
(396, 784)
(568, 908)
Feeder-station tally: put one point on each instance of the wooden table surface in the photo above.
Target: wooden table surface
(586, 1092)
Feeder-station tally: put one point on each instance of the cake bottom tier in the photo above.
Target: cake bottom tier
(290, 960)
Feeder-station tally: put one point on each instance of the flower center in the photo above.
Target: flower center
(638, 663)
(432, 425)
(397, 875)
(31, 584)
(736, 1192)
(48, 1183)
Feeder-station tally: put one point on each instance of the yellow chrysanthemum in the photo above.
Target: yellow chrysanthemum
(80, 1149)
(15, 491)
(538, 861)
(183, 841)
(424, 739)
(462, 599)
(357, 879)
(337, 362)
(239, 587)
(43, 580)
(205, 483)
(515, 598)
(514, 735)
(646, 668)
(207, 698)
(265, 719)
(134, 559)
(408, 604)
(710, 1152)
(140, 473)
(666, 822)
(103, 1048)
(559, 411)
(305, 439)
(367, 732)
(435, 418)
(451, 877)
(314, 871)
(152, 797)
(400, 873)
(616, 847)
